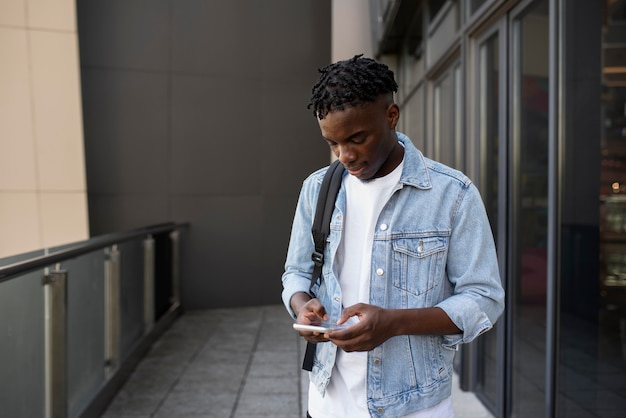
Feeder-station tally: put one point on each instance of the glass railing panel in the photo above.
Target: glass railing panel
(22, 345)
(73, 316)
(131, 294)
(85, 325)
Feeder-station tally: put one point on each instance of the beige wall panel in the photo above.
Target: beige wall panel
(351, 29)
(52, 14)
(13, 13)
(63, 218)
(17, 155)
(19, 223)
(58, 120)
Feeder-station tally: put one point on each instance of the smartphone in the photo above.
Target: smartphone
(321, 328)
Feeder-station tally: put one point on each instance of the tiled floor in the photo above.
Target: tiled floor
(236, 363)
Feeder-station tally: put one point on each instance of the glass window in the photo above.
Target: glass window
(529, 229)
(488, 121)
(447, 118)
(457, 139)
(411, 72)
(475, 5)
(434, 7)
(443, 120)
(413, 119)
(592, 355)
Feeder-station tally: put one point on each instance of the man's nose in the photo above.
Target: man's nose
(346, 154)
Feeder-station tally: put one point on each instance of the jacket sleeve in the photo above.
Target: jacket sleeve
(298, 264)
(472, 268)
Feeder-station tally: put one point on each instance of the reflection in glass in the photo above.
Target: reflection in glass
(488, 136)
(530, 183)
(22, 342)
(414, 119)
(435, 6)
(592, 340)
(475, 5)
(447, 124)
(443, 120)
(457, 138)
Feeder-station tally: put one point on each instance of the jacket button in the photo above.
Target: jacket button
(380, 272)
(377, 362)
(380, 410)
(383, 227)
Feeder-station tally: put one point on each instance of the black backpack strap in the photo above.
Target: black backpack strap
(320, 230)
(323, 213)
(309, 355)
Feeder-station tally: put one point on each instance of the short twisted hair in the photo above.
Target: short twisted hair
(351, 82)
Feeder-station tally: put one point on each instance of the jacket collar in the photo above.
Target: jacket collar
(415, 170)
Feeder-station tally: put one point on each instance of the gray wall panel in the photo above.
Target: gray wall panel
(217, 140)
(217, 38)
(223, 250)
(195, 111)
(293, 34)
(121, 212)
(297, 148)
(124, 34)
(126, 130)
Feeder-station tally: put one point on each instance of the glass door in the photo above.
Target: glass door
(556, 199)
(592, 311)
(511, 129)
(528, 198)
(490, 124)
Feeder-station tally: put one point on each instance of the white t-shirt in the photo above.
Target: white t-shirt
(346, 394)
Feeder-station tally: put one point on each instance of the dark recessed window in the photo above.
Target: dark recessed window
(434, 6)
(475, 5)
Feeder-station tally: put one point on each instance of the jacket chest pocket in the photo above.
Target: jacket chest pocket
(419, 263)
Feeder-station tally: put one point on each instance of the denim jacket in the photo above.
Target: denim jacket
(433, 246)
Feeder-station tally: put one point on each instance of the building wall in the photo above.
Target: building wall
(195, 112)
(42, 178)
(351, 29)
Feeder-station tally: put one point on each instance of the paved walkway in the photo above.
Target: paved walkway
(230, 363)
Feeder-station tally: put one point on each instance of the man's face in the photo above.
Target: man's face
(363, 137)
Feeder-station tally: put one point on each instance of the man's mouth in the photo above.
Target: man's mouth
(355, 170)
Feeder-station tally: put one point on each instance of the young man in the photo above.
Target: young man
(410, 263)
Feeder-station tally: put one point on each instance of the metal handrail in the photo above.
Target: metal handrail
(108, 376)
(17, 269)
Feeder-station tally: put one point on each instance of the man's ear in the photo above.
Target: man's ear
(393, 115)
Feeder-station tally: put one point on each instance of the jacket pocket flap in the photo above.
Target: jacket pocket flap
(420, 247)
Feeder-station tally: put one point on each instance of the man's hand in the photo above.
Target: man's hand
(373, 329)
(376, 325)
(309, 311)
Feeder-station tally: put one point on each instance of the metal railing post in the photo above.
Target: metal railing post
(112, 311)
(148, 283)
(175, 237)
(55, 295)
